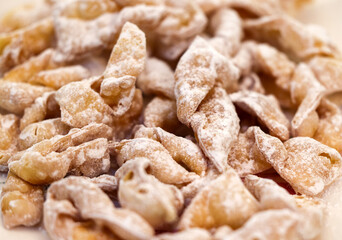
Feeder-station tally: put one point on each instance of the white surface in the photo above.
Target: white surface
(327, 13)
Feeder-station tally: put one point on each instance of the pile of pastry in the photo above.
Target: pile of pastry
(161, 119)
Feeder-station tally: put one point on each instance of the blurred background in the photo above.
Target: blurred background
(327, 13)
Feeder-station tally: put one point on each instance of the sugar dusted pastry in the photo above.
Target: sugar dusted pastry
(224, 201)
(162, 112)
(247, 155)
(270, 224)
(190, 234)
(310, 165)
(81, 105)
(21, 202)
(157, 202)
(15, 97)
(43, 107)
(190, 191)
(57, 78)
(19, 45)
(172, 22)
(295, 39)
(216, 126)
(82, 27)
(163, 166)
(327, 70)
(307, 92)
(199, 69)
(37, 132)
(269, 194)
(9, 131)
(77, 196)
(202, 105)
(123, 125)
(157, 78)
(226, 26)
(25, 71)
(53, 158)
(181, 149)
(271, 61)
(330, 124)
(306, 120)
(125, 64)
(107, 183)
(310, 211)
(267, 109)
(24, 15)
(80, 102)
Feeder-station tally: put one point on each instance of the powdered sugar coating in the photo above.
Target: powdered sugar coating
(190, 234)
(310, 166)
(21, 202)
(43, 107)
(269, 194)
(80, 31)
(123, 125)
(51, 159)
(267, 109)
(16, 96)
(270, 61)
(226, 27)
(107, 183)
(224, 201)
(126, 62)
(9, 131)
(216, 126)
(190, 191)
(246, 155)
(57, 78)
(199, 69)
(306, 120)
(181, 149)
(307, 92)
(163, 166)
(79, 196)
(157, 202)
(327, 71)
(81, 105)
(162, 112)
(25, 71)
(24, 15)
(175, 183)
(303, 81)
(329, 127)
(254, 8)
(18, 46)
(37, 132)
(157, 78)
(271, 224)
(297, 40)
(171, 21)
